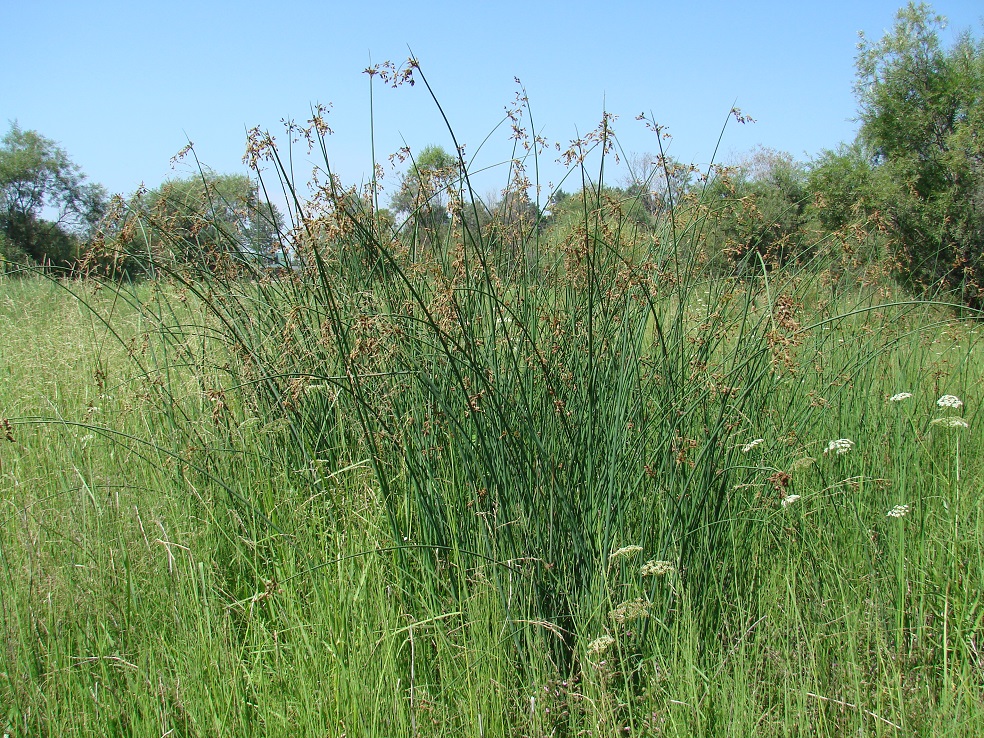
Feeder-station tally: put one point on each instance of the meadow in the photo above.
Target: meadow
(474, 482)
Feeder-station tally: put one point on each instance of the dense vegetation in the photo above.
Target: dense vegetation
(676, 456)
(906, 195)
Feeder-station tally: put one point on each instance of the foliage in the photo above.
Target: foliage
(216, 218)
(406, 490)
(426, 190)
(760, 207)
(616, 218)
(921, 113)
(46, 206)
(660, 182)
(558, 535)
(197, 578)
(520, 424)
(842, 186)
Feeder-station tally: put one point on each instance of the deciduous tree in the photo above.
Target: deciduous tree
(922, 115)
(46, 205)
(425, 189)
(207, 217)
(758, 206)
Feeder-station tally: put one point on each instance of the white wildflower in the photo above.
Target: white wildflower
(657, 568)
(900, 396)
(840, 446)
(789, 500)
(751, 444)
(899, 511)
(624, 552)
(630, 611)
(801, 463)
(598, 646)
(951, 401)
(950, 422)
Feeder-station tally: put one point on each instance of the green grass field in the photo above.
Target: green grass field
(442, 479)
(185, 554)
(679, 458)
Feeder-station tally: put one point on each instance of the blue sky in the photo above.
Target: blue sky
(123, 86)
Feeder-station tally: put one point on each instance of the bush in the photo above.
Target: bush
(922, 113)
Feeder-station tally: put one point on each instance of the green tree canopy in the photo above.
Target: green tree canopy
(921, 115)
(759, 205)
(425, 189)
(46, 205)
(842, 184)
(211, 217)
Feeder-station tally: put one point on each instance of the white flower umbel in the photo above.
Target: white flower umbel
(598, 646)
(840, 446)
(899, 511)
(950, 422)
(954, 403)
(789, 500)
(657, 568)
(951, 401)
(803, 463)
(628, 611)
(750, 445)
(624, 553)
(900, 396)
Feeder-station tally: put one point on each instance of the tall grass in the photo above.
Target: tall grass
(523, 424)
(462, 480)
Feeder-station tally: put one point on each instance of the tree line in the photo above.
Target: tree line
(907, 194)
